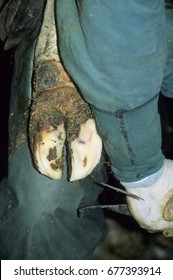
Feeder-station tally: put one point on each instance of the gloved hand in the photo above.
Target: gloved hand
(155, 211)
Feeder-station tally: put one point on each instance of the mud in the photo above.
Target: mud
(54, 106)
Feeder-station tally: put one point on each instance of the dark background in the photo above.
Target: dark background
(6, 70)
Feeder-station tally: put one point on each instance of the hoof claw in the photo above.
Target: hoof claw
(85, 151)
(49, 152)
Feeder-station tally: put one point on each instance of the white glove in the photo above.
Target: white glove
(155, 211)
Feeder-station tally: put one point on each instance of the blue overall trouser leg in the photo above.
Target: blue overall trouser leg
(130, 159)
(116, 54)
